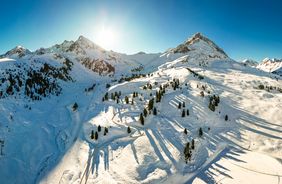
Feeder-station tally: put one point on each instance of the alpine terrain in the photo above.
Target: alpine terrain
(77, 113)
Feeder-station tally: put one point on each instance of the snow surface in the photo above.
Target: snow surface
(51, 143)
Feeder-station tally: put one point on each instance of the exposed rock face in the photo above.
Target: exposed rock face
(98, 65)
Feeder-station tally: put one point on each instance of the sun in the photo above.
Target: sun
(107, 38)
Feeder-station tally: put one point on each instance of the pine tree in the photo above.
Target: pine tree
(145, 112)
(193, 144)
(179, 105)
(226, 117)
(155, 111)
(141, 119)
(151, 104)
(92, 134)
(106, 97)
(128, 130)
(132, 101)
(112, 96)
(202, 94)
(200, 132)
(187, 152)
(96, 136)
(126, 100)
(75, 106)
(185, 131)
(106, 130)
(99, 128)
(183, 104)
(187, 112)
(211, 106)
(183, 113)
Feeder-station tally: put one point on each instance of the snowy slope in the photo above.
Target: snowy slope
(47, 141)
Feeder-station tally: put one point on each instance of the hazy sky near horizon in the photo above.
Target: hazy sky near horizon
(243, 28)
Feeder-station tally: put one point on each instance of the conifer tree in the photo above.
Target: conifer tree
(187, 152)
(183, 104)
(112, 96)
(183, 113)
(106, 96)
(145, 112)
(75, 106)
(179, 105)
(92, 134)
(185, 131)
(226, 117)
(126, 100)
(151, 104)
(106, 130)
(200, 132)
(193, 144)
(128, 130)
(96, 135)
(187, 112)
(99, 128)
(155, 111)
(141, 118)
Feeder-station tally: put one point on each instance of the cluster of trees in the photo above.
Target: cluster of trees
(184, 113)
(116, 95)
(148, 86)
(130, 78)
(190, 146)
(96, 135)
(214, 101)
(106, 97)
(200, 77)
(160, 93)
(36, 83)
(137, 69)
(135, 94)
(269, 88)
(91, 88)
(188, 150)
(145, 112)
(175, 84)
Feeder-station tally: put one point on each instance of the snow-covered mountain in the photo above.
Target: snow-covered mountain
(250, 62)
(271, 65)
(198, 50)
(16, 52)
(77, 113)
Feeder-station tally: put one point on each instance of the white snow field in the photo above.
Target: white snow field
(51, 143)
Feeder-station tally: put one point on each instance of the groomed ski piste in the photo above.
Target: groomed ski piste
(51, 142)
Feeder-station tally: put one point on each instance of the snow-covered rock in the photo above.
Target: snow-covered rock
(271, 65)
(16, 52)
(250, 62)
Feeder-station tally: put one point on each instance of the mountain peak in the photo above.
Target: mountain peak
(18, 51)
(199, 43)
(273, 60)
(83, 40)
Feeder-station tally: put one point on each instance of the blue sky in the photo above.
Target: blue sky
(243, 28)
